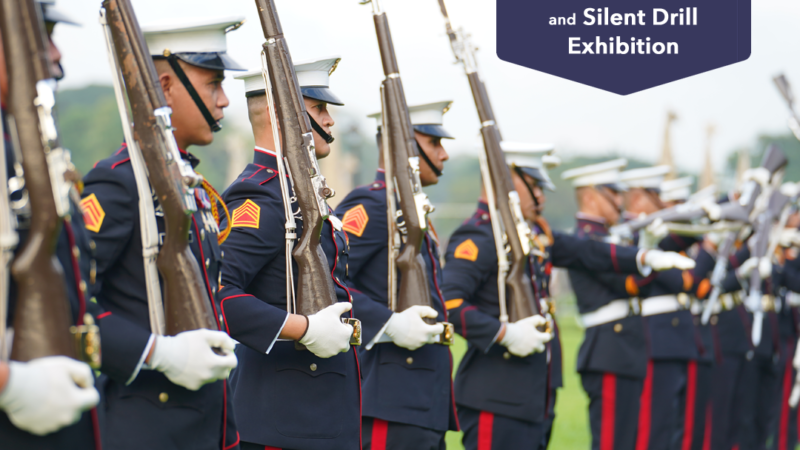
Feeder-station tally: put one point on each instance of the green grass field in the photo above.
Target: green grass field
(571, 426)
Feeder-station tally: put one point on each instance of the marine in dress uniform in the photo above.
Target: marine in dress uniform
(612, 360)
(505, 399)
(407, 388)
(286, 398)
(789, 324)
(172, 394)
(50, 382)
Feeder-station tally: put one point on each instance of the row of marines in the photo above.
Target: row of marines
(655, 377)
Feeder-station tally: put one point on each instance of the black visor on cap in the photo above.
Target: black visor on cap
(209, 60)
(433, 130)
(321, 93)
(541, 178)
(616, 187)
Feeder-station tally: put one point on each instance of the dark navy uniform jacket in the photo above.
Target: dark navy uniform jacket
(616, 347)
(489, 378)
(148, 411)
(399, 385)
(284, 397)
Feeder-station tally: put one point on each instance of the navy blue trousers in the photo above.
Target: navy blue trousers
(488, 431)
(613, 409)
(377, 434)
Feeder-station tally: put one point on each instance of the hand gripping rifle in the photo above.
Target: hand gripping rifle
(315, 289)
(508, 225)
(774, 160)
(186, 301)
(42, 315)
(401, 159)
(786, 91)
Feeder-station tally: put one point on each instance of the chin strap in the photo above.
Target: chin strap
(428, 160)
(176, 67)
(530, 189)
(328, 137)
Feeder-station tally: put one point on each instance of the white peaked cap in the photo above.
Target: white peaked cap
(645, 177)
(426, 118)
(316, 72)
(253, 81)
(522, 154)
(678, 189)
(596, 174)
(195, 35)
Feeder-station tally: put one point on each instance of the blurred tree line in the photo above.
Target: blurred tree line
(90, 126)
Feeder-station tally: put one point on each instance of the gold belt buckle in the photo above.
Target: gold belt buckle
(87, 342)
(355, 339)
(448, 336)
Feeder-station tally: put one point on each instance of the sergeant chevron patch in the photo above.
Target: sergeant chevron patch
(467, 250)
(355, 220)
(93, 213)
(246, 216)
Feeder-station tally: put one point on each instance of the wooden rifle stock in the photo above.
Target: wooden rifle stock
(186, 302)
(414, 288)
(315, 290)
(42, 315)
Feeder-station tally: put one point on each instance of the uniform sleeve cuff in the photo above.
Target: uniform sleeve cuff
(643, 269)
(275, 339)
(141, 363)
(494, 339)
(381, 336)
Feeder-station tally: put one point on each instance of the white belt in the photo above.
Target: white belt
(660, 304)
(614, 310)
(793, 298)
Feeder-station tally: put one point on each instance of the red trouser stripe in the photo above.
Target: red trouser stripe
(485, 424)
(708, 429)
(380, 428)
(271, 448)
(783, 426)
(691, 396)
(646, 404)
(608, 411)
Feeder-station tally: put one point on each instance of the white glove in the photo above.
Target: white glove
(764, 266)
(408, 330)
(789, 237)
(189, 361)
(760, 175)
(660, 260)
(712, 209)
(522, 338)
(47, 394)
(326, 335)
(653, 234)
(790, 189)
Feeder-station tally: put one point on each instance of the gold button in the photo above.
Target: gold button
(675, 321)
(409, 360)
(163, 397)
(222, 254)
(76, 252)
(587, 228)
(214, 290)
(92, 245)
(714, 320)
(618, 328)
(506, 355)
(83, 286)
(313, 367)
(208, 263)
(202, 235)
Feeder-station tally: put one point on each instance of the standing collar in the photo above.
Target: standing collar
(265, 157)
(483, 206)
(380, 175)
(591, 224)
(193, 160)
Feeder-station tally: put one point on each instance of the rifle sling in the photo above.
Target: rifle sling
(530, 189)
(173, 62)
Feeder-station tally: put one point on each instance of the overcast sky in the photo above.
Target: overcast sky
(530, 106)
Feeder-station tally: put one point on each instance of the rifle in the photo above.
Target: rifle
(42, 315)
(315, 289)
(186, 302)
(402, 168)
(685, 212)
(514, 287)
(786, 92)
(774, 160)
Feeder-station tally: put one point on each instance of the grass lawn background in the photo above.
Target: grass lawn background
(571, 425)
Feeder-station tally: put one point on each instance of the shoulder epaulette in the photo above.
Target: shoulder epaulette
(256, 174)
(119, 158)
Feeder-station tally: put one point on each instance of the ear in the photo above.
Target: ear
(166, 81)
